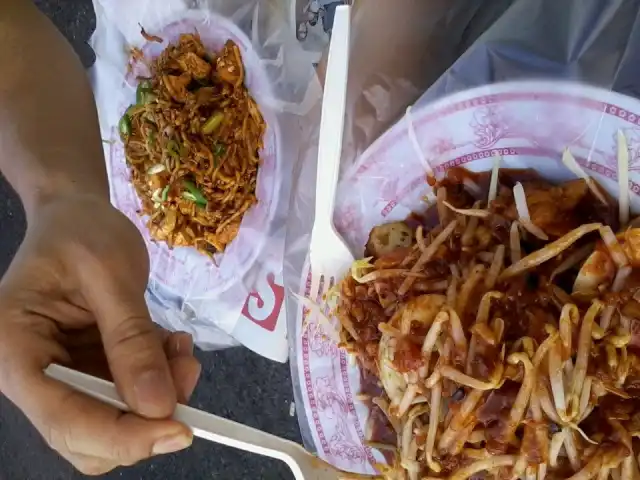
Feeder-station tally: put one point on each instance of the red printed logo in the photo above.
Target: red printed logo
(264, 308)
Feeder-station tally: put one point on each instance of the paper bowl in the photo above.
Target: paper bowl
(184, 270)
(529, 124)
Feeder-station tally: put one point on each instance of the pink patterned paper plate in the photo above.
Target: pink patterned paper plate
(529, 124)
(183, 270)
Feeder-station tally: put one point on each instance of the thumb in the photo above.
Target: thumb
(133, 346)
(76, 425)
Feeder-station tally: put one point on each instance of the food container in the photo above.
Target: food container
(529, 124)
(183, 271)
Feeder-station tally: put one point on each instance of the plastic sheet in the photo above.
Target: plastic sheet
(529, 123)
(241, 298)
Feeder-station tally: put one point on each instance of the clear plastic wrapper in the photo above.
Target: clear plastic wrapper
(570, 57)
(239, 297)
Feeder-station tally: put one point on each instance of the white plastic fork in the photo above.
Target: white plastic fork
(304, 465)
(329, 255)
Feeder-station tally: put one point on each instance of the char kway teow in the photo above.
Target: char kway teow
(498, 334)
(192, 144)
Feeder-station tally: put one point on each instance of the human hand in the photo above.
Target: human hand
(74, 295)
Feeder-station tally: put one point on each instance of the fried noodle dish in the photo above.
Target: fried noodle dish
(192, 143)
(497, 335)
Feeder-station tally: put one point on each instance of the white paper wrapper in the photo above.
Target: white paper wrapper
(529, 124)
(241, 298)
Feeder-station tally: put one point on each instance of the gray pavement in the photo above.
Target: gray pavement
(235, 383)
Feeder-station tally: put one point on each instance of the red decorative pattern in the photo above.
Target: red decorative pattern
(351, 406)
(307, 377)
(311, 395)
(415, 183)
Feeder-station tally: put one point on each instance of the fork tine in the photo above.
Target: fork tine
(315, 285)
(328, 285)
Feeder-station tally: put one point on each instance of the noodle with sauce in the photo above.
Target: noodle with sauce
(499, 333)
(192, 143)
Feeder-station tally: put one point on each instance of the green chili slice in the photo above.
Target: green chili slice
(219, 149)
(165, 193)
(213, 123)
(124, 125)
(151, 138)
(144, 92)
(193, 193)
(174, 149)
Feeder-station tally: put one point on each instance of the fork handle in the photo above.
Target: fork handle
(204, 425)
(332, 119)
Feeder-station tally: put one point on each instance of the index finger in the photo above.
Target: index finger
(133, 346)
(73, 423)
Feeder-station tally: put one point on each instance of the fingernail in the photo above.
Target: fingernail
(171, 444)
(151, 389)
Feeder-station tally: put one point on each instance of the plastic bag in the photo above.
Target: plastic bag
(241, 298)
(587, 41)
(528, 123)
